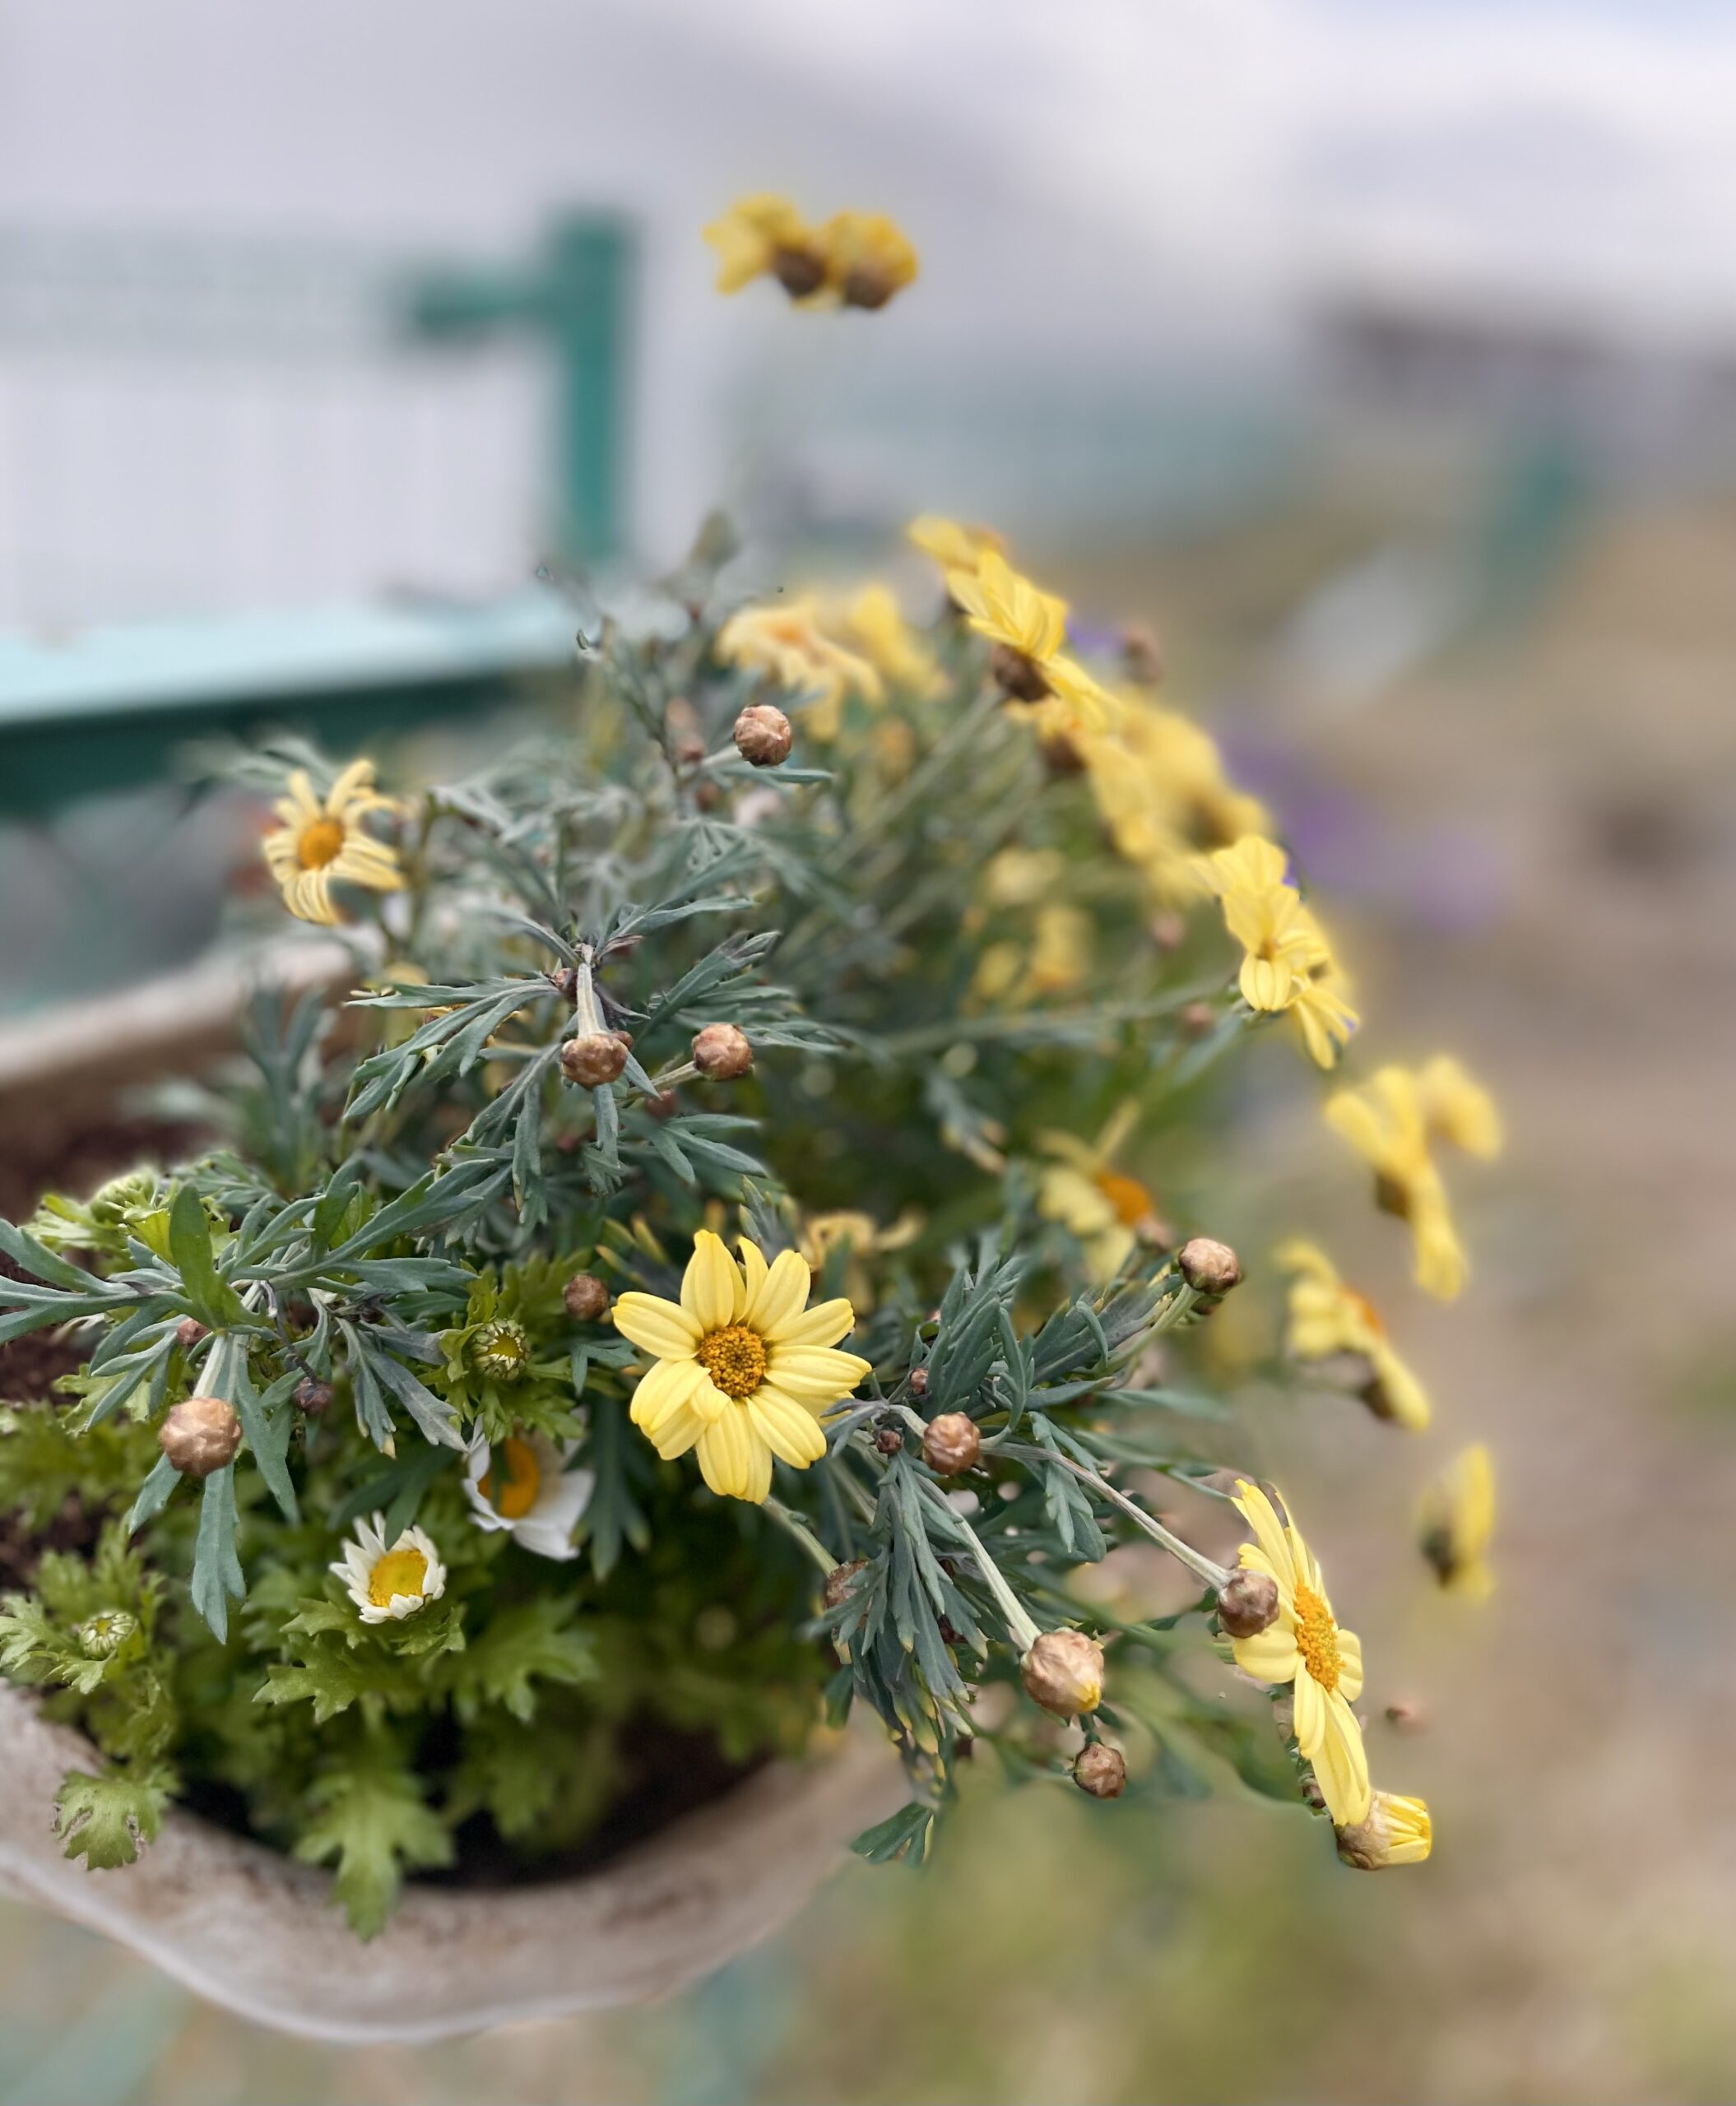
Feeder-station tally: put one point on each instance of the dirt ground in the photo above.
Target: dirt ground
(1555, 812)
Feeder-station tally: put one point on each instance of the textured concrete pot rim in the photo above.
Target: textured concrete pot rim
(254, 1932)
(259, 1934)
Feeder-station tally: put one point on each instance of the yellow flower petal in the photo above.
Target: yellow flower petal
(791, 1434)
(824, 1324)
(656, 1325)
(781, 1296)
(668, 1387)
(815, 1375)
(1257, 1510)
(1341, 1762)
(1350, 1665)
(1271, 1656)
(734, 1459)
(711, 1291)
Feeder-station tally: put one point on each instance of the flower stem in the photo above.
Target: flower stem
(1025, 1633)
(793, 1525)
(1203, 1567)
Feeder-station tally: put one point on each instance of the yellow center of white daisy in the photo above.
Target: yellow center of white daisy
(734, 1359)
(518, 1495)
(1317, 1639)
(398, 1572)
(320, 842)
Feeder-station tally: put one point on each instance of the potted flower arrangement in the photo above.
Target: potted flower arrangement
(700, 1286)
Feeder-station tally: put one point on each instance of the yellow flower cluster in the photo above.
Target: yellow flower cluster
(1027, 628)
(855, 259)
(1287, 966)
(1161, 786)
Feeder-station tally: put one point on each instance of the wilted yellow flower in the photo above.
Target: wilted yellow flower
(1327, 1317)
(1390, 1122)
(874, 623)
(1456, 1520)
(1306, 1647)
(868, 258)
(1028, 628)
(823, 1233)
(1160, 783)
(744, 1368)
(323, 840)
(1080, 1187)
(1398, 1831)
(787, 642)
(765, 236)
(1288, 965)
(951, 543)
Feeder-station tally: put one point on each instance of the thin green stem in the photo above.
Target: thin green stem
(792, 1525)
(1202, 1567)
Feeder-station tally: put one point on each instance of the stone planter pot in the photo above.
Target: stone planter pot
(258, 1934)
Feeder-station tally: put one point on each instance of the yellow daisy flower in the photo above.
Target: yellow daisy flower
(868, 258)
(1456, 1520)
(743, 1369)
(787, 643)
(952, 544)
(1398, 1831)
(1287, 965)
(321, 841)
(1328, 1317)
(875, 624)
(1160, 788)
(1027, 628)
(765, 236)
(1108, 1211)
(1307, 1648)
(1391, 1121)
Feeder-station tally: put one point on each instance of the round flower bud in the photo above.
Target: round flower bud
(866, 287)
(1398, 1831)
(594, 1058)
(1208, 1266)
(762, 736)
(564, 981)
(951, 1444)
(889, 1440)
(1141, 655)
(1015, 674)
(312, 1396)
(664, 1104)
(690, 748)
(721, 1052)
(1168, 931)
(1063, 1673)
(188, 1332)
(1247, 1603)
(919, 1381)
(501, 1350)
(200, 1435)
(1196, 1019)
(840, 1581)
(587, 1298)
(800, 271)
(102, 1636)
(1101, 1770)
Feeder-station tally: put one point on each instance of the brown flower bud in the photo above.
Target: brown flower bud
(1247, 1603)
(721, 1052)
(762, 736)
(200, 1435)
(1196, 1019)
(690, 748)
(587, 1298)
(1141, 655)
(312, 1396)
(707, 796)
(919, 1381)
(1061, 757)
(888, 1440)
(1101, 1770)
(664, 1104)
(1208, 1266)
(564, 981)
(188, 1332)
(951, 1444)
(594, 1058)
(866, 287)
(1168, 931)
(800, 271)
(1063, 1673)
(1015, 674)
(841, 1580)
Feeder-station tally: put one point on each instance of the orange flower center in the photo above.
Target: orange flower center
(734, 1359)
(522, 1479)
(398, 1572)
(1366, 1309)
(1131, 1201)
(321, 841)
(1317, 1639)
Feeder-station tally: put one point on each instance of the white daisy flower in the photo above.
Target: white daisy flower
(524, 1486)
(388, 1581)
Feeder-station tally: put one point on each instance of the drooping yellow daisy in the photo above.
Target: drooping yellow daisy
(787, 642)
(1306, 1647)
(1027, 628)
(874, 623)
(868, 258)
(1454, 1522)
(1287, 966)
(765, 236)
(322, 840)
(951, 543)
(389, 1581)
(1391, 1121)
(1398, 1831)
(743, 1369)
(1108, 1211)
(1328, 1317)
